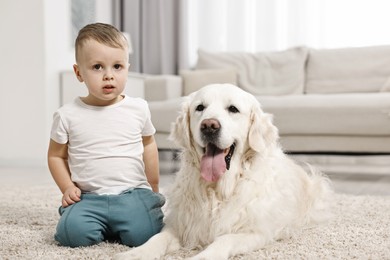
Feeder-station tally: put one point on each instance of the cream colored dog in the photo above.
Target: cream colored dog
(236, 190)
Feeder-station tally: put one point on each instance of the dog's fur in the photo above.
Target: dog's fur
(262, 196)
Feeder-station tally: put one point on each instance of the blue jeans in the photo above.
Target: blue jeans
(130, 218)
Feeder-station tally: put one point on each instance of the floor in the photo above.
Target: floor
(358, 184)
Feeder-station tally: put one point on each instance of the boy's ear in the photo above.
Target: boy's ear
(77, 72)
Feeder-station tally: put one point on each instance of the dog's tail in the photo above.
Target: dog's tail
(320, 197)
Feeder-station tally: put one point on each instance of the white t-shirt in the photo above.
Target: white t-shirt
(105, 150)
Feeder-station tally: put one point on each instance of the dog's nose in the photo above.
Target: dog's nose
(210, 126)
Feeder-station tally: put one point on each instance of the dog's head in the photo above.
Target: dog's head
(221, 123)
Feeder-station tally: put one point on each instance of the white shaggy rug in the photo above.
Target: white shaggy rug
(360, 230)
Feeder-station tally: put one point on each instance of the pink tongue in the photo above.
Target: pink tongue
(213, 164)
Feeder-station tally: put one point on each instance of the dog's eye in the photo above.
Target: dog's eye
(233, 109)
(200, 107)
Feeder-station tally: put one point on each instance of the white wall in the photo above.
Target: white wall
(35, 47)
(22, 87)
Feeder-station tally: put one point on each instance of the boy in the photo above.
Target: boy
(102, 152)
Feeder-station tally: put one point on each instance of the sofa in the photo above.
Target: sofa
(324, 101)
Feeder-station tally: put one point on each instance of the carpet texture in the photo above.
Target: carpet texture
(360, 230)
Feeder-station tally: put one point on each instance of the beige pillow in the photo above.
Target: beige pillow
(193, 80)
(348, 70)
(261, 73)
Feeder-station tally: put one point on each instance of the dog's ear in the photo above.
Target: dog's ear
(180, 131)
(262, 132)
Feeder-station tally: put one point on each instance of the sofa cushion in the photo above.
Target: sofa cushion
(193, 80)
(353, 114)
(347, 70)
(164, 113)
(262, 73)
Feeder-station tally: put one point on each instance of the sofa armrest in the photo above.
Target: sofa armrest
(163, 87)
(158, 87)
(135, 85)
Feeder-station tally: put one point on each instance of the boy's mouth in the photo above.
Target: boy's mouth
(108, 89)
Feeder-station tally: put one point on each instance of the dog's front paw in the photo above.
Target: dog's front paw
(209, 255)
(137, 253)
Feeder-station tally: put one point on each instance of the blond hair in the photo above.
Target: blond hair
(103, 33)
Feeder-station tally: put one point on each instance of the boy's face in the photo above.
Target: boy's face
(104, 71)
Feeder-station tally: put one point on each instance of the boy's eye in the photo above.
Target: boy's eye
(117, 66)
(97, 67)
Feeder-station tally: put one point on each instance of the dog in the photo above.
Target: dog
(236, 190)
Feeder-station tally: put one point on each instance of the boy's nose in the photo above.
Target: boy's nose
(108, 77)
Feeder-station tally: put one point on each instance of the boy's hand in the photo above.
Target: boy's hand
(71, 196)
